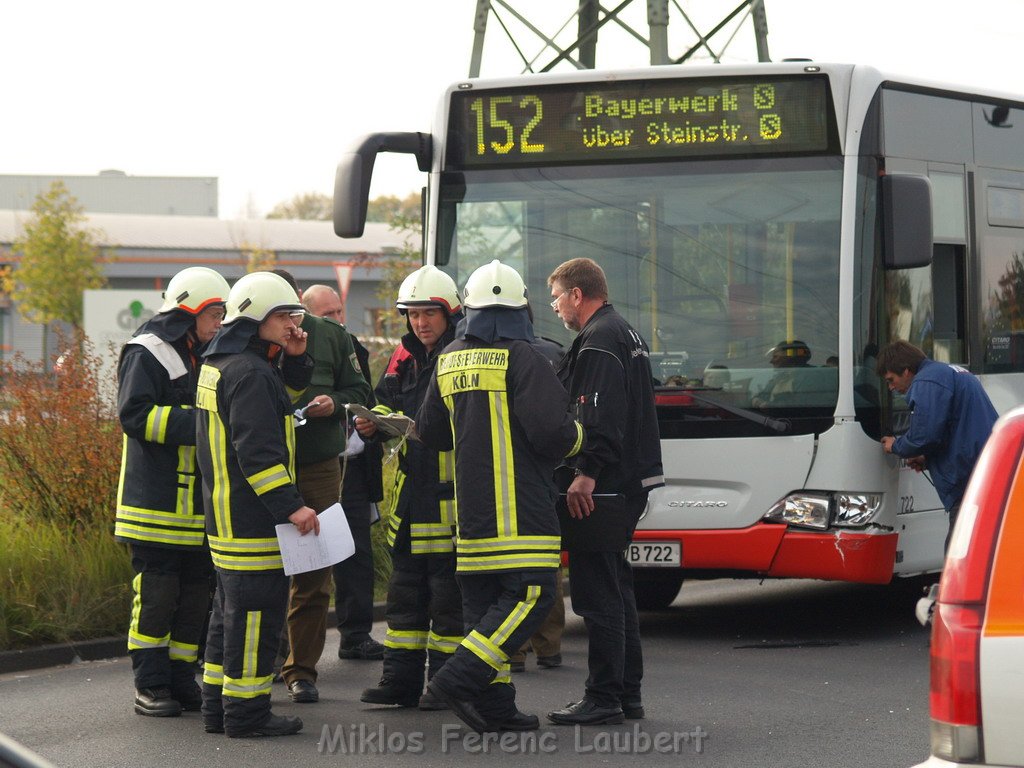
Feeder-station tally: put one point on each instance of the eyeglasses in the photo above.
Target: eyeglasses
(214, 313)
(558, 298)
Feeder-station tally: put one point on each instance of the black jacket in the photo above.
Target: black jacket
(423, 498)
(159, 500)
(607, 372)
(511, 428)
(246, 446)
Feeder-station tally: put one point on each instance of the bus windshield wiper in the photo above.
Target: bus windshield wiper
(776, 425)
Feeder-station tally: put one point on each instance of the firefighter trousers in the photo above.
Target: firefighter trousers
(172, 598)
(502, 610)
(245, 630)
(424, 615)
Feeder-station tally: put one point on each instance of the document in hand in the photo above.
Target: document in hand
(312, 552)
(609, 528)
(392, 424)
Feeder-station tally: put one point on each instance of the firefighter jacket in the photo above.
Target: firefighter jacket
(511, 424)
(246, 445)
(335, 374)
(159, 500)
(607, 372)
(422, 501)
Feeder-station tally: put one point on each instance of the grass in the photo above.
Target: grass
(60, 584)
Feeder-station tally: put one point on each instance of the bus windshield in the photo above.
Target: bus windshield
(728, 268)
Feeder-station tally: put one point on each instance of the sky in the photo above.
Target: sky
(266, 96)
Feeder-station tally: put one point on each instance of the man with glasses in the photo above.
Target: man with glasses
(159, 507)
(607, 373)
(336, 381)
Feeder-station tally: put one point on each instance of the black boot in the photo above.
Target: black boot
(274, 725)
(156, 702)
(389, 691)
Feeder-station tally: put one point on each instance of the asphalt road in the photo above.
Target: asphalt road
(783, 673)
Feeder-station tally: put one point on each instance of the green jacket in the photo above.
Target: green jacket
(335, 373)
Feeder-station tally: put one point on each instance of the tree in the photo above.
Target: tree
(59, 260)
(387, 208)
(316, 206)
(312, 206)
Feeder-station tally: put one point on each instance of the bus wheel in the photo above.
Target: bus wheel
(656, 591)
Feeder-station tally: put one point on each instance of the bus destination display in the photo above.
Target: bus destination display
(594, 122)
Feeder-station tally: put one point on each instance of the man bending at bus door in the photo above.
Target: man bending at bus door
(951, 418)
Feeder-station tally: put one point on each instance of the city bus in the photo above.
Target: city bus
(766, 228)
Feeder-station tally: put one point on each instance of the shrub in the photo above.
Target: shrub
(60, 444)
(64, 576)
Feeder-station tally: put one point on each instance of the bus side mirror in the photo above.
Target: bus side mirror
(906, 221)
(355, 169)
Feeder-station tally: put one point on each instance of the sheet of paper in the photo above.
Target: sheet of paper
(311, 552)
(392, 424)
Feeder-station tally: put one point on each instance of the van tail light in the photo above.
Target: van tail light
(955, 694)
(954, 697)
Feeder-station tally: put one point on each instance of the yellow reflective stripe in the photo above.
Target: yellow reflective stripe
(176, 519)
(294, 395)
(255, 545)
(508, 562)
(431, 529)
(505, 676)
(517, 616)
(289, 439)
(235, 563)
(485, 650)
(221, 494)
(269, 479)
(213, 673)
(246, 687)
(578, 445)
(516, 543)
(146, 533)
(405, 639)
(394, 519)
(430, 546)
(251, 644)
(182, 651)
(156, 424)
(137, 641)
(187, 459)
(443, 643)
(124, 465)
(504, 466)
(383, 410)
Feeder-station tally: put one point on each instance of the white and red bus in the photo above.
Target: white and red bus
(814, 210)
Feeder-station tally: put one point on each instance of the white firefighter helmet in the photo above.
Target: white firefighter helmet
(258, 294)
(429, 286)
(194, 289)
(495, 285)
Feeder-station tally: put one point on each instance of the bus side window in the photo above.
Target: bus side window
(948, 303)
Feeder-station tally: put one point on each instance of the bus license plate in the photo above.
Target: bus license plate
(667, 554)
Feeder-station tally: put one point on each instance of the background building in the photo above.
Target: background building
(148, 238)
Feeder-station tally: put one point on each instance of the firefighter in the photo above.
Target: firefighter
(159, 507)
(424, 607)
(511, 422)
(254, 371)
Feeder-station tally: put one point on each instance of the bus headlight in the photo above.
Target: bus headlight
(807, 509)
(855, 509)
